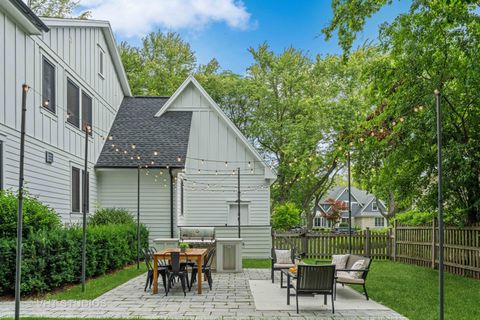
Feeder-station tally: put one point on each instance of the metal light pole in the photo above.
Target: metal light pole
(18, 262)
(440, 203)
(138, 217)
(238, 201)
(84, 208)
(349, 205)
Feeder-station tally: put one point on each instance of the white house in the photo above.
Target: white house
(188, 150)
(365, 208)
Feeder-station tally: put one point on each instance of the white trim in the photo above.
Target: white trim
(109, 38)
(269, 173)
(345, 189)
(16, 15)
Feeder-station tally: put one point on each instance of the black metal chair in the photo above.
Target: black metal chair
(281, 266)
(161, 270)
(206, 269)
(344, 276)
(177, 272)
(315, 279)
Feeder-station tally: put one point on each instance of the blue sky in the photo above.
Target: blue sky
(225, 29)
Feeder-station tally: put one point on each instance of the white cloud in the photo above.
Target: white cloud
(138, 17)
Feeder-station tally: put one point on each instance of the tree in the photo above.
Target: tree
(160, 66)
(433, 46)
(285, 216)
(56, 8)
(334, 213)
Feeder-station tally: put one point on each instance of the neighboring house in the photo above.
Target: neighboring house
(190, 146)
(365, 209)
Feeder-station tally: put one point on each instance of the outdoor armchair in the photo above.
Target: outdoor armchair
(281, 259)
(315, 279)
(354, 271)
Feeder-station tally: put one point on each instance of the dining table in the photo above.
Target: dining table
(192, 254)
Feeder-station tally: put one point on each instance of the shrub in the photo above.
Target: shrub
(343, 224)
(111, 216)
(285, 216)
(36, 215)
(53, 258)
(414, 217)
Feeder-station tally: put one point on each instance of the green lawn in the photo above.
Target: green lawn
(257, 264)
(413, 291)
(98, 286)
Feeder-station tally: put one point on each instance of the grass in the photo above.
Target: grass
(97, 286)
(413, 291)
(257, 263)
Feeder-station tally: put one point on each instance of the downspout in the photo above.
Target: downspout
(171, 202)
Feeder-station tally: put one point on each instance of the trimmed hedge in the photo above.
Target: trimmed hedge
(111, 216)
(52, 258)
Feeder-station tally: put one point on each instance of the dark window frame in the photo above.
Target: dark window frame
(86, 97)
(51, 97)
(75, 189)
(182, 208)
(73, 119)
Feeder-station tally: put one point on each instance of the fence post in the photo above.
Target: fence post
(389, 244)
(273, 237)
(394, 242)
(367, 242)
(304, 243)
(433, 243)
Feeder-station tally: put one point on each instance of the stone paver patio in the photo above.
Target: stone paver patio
(230, 299)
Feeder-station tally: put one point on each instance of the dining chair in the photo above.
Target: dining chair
(161, 270)
(177, 272)
(206, 269)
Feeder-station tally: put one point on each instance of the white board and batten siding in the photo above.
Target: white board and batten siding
(74, 54)
(117, 188)
(215, 141)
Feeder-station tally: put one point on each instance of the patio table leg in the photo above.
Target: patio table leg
(155, 274)
(200, 278)
(288, 288)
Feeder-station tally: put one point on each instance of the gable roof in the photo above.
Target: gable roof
(135, 123)
(269, 173)
(109, 38)
(24, 16)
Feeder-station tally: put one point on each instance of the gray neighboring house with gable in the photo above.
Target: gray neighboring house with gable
(365, 209)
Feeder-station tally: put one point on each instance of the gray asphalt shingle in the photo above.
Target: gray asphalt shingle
(136, 124)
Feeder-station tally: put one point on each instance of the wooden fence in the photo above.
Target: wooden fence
(419, 245)
(408, 244)
(324, 245)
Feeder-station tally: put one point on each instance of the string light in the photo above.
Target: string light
(179, 159)
(133, 146)
(226, 163)
(249, 164)
(155, 153)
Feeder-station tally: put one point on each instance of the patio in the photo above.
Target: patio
(231, 298)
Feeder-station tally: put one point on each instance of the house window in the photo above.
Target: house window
(73, 104)
(77, 189)
(321, 222)
(233, 214)
(1, 165)
(101, 62)
(379, 222)
(86, 111)
(374, 206)
(345, 220)
(48, 85)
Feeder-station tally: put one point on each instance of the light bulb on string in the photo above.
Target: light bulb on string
(179, 159)
(402, 119)
(133, 146)
(125, 151)
(226, 163)
(249, 164)
(155, 153)
(110, 138)
(138, 157)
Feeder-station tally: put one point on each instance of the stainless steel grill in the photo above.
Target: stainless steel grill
(198, 236)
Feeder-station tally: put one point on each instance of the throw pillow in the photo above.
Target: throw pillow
(360, 264)
(283, 256)
(339, 260)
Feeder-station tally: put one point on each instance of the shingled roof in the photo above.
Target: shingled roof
(136, 124)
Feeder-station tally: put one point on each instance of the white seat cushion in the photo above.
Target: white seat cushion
(345, 277)
(283, 265)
